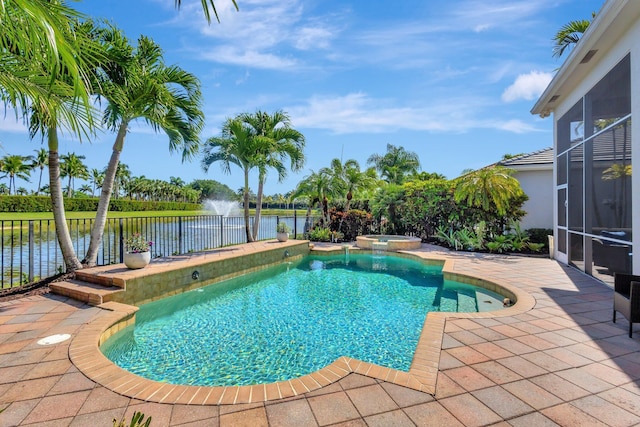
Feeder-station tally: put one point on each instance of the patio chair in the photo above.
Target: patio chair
(626, 298)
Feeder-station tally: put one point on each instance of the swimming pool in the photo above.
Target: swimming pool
(289, 321)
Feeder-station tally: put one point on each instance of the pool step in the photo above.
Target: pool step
(457, 300)
(91, 293)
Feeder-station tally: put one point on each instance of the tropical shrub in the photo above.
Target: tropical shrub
(354, 223)
(320, 234)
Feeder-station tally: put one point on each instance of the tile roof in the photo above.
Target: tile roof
(540, 157)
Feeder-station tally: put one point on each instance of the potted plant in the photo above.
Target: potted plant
(282, 232)
(137, 251)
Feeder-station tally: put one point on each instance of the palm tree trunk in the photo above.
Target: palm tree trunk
(247, 227)
(39, 182)
(256, 221)
(97, 230)
(57, 205)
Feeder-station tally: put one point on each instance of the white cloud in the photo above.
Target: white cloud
(527, 86)
(359, 113)
(9, 123)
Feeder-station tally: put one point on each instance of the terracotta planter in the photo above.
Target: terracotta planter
(137, 260)
(282, 237)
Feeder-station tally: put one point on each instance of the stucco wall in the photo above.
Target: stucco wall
(538, 185)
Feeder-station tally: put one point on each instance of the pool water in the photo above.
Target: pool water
(289, 321)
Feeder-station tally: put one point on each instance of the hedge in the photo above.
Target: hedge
(43, 204)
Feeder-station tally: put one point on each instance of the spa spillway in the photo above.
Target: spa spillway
(388, 242)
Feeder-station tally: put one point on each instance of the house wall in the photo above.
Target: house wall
(538, 185)
(600, 65)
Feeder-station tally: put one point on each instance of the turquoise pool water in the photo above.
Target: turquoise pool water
(290, 320)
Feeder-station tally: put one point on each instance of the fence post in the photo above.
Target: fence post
(31, 251)
(121, 227)
(221, 230)
(295, 223)
(180, 234)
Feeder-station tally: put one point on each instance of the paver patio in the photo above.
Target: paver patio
(561, 363)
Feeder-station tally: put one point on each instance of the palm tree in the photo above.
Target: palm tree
(123, 175)
(569, 35)
(356, 180)
(140, 85)
(488, 188)
(61, 102)
(96, 178)
(316, 187)
(40, 160)
(177, 181)
(16, 166)
(275, 141)
(235, 146)
(39, 48)
(396, 164)
(208, 6)
(72, 167)
(86, 189)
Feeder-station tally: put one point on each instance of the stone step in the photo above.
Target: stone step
(91, 293)
(89, 275)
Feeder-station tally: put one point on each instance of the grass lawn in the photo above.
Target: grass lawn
(25, 216)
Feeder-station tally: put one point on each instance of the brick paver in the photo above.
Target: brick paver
(561, 363)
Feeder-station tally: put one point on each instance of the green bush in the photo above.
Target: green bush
(320, 234)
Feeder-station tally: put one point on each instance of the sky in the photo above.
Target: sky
(451, 80)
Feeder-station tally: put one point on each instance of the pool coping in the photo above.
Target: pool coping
(85, 354)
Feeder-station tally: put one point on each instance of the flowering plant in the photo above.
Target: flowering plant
(136, 244)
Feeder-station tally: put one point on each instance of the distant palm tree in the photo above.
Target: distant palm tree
(569, 35)
(96, 178)
(40, 160)
(71, 166)
(86, 189)
(317, 188)
(16, 166)
(396, 164)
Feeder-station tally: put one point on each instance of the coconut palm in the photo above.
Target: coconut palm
(488, 188)
(396, 164)
(40, 160)
(138, 85)
(275, 141)
(355, 180)
(71, 166)
(208, 6)
(16, 166)
(569, 35)
(235, 146)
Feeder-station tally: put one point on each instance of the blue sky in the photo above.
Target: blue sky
(452, 80)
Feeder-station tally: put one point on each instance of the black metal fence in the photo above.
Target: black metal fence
(30, 249)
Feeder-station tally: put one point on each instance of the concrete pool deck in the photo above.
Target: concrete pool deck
(560, 362)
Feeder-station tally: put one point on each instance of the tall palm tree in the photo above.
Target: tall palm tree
(16, 166)
(356, 180)
(396, 164)
(40, 160)
(208, 6)
(235, 146)
(275, 141)
(569, 35)
(488, 188)
(64, 107)
(71, 166)
(139, 85)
